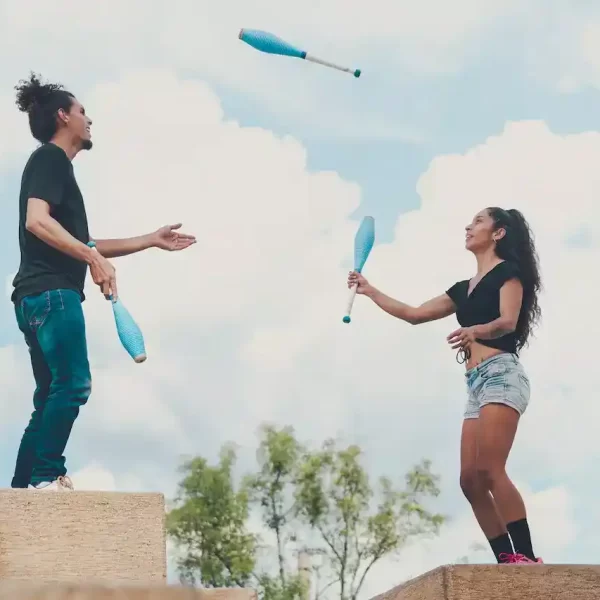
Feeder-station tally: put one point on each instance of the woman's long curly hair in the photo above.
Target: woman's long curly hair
(518, 246)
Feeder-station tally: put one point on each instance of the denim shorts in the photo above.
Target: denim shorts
(500, 379)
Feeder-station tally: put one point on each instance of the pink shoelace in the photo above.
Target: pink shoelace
(515, 559)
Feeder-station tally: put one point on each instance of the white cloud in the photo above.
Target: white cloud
(268, 232)
(430, 36)
(94, 477)
(391, 42)
(395, 44)
(204, 33)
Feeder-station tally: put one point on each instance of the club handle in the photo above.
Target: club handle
(350, 302)
(326, 63)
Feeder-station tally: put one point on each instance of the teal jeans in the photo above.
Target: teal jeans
(54, 328)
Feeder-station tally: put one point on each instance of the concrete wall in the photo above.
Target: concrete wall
(63, 591)
(74, 536)
(502, 582)
(111, 546)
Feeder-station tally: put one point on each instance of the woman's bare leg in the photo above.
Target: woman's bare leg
(497, 428)
(482, 502)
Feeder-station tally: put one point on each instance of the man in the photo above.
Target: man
(48, 288)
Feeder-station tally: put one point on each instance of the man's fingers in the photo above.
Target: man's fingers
(185, 242)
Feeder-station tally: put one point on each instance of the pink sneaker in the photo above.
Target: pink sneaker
(526, 561)
(519, 559)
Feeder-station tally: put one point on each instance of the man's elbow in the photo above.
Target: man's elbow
(38, 215)
(35, 223)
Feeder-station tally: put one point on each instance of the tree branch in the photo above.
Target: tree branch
(277, 527)
(329, 543)
(327, 586)
(364, 575)
(359, 555)
(376, 557)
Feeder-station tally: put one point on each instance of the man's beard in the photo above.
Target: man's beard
(86, 144)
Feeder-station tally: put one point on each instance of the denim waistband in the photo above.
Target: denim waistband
(505, 356)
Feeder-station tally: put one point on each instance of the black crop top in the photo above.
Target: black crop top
(483, 304)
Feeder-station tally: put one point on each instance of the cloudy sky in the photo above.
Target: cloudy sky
(272, 163)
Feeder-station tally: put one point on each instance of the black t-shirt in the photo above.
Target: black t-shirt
(49, 176)
(483, 304)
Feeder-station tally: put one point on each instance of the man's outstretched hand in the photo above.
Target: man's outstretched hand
(166, 238)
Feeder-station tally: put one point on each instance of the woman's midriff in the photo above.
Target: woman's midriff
(479, 353)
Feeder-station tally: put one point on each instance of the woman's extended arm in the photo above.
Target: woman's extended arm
(432, 310)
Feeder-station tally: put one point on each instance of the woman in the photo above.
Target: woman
(497, 310)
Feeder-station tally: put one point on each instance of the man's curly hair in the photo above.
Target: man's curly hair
(42, 101)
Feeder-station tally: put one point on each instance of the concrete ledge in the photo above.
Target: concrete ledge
(82, 536)
(502, 582)
(65, 591)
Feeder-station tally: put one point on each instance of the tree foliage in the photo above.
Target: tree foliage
(311, 502)
(209, 525)
(358, 523)
(278, 455)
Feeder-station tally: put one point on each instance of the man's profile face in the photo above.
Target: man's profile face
(79, 124)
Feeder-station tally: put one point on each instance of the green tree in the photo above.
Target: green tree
(319, 502)
(271, 490)
(209, 525)
(271, 487)
(360, 524)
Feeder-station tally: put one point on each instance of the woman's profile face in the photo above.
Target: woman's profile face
(479, 232)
